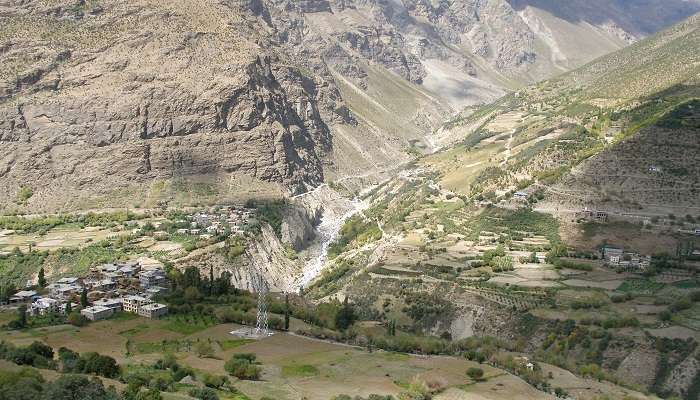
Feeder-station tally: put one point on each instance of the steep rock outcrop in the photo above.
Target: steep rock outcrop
(158, 104)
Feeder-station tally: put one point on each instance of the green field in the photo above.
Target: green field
(640, 286)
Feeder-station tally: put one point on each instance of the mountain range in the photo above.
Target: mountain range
(104, 101)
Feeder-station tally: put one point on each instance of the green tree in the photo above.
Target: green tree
(77, 319)
(94, 363)
(211, 280)
(242, 366)
(391, 328)
(6, 291)
(25, 384)
(76, 387)
(286, 312)
(83, 298)
(21, 318)
(192, 295)
(558, 250)
(346, 316)
(42, 278)
(69, 360)
(69, 308)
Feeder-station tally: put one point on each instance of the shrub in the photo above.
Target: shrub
(242, 366)
(215, 381)
(665, 315)
(93, 363)
(78, 387)
(680, 305)
(204, 349)
(77, 319)
(204, 394)
(475, 373)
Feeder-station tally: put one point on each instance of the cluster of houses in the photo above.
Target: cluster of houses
(618, 258)
(207, 224)
(110, 288)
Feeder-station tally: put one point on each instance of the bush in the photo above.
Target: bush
(77, 319)
(680, 305)
(78, 387)
(25, 384)
(242, 366)
(204, 394)
(37, 354)
(93, 363)
(475, 373)
(215, 381)
(695, 296)
(204, 349)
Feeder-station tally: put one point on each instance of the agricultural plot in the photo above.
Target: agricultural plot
(288, 361)
(584, 283)
(68, 236)
(520, 300)
(640, 286)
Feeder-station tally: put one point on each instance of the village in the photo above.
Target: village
(108, 289)
(126, 286)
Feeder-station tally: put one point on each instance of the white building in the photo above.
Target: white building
(63, 291)
(113, 304)
(96, 313)
(152, 278)
(24, 296)
(44, 306)
(68, 281)
(133, 303)
(153, 310)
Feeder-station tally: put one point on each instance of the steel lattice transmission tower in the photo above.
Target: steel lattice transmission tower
(260, 286)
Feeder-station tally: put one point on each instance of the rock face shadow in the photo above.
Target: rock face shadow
(641, 17)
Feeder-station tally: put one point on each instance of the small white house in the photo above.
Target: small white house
(96, 313)
(113, 304)
(24, 296)
(44, 306)
(132, 304)
(521, 195)
(153, 310)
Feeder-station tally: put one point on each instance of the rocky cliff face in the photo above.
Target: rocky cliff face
(130, 92)
(265, 257)
(110, 97)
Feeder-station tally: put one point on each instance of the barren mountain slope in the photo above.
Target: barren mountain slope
(112, 103)
(618, 134)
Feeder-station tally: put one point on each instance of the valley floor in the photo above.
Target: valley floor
(296, 367)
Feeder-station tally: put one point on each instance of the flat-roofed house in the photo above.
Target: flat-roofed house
(96, 313)
(613, 255)
(24, 296)
(155, 291)
(68, 281)
(62, 291)
(127, 271)
(152, 278)
(108, 268)
(44, 306)
(114, 304)
(153, 310)
(133, 303)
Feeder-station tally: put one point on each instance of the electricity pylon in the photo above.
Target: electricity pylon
(260, 286)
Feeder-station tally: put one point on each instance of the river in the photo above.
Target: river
(336, 210)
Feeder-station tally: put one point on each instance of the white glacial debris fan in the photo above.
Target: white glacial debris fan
(336, 210)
